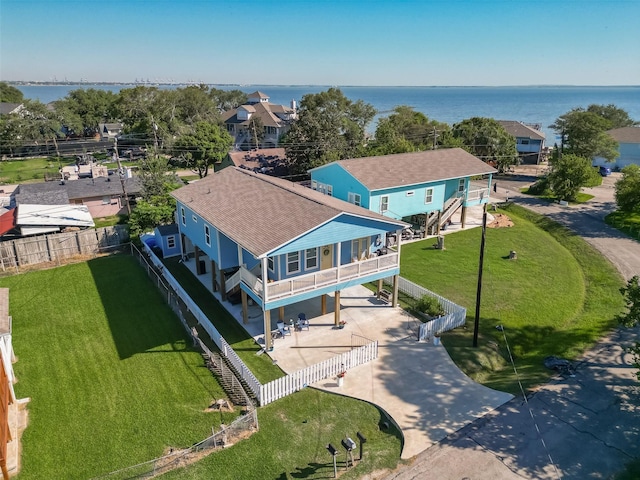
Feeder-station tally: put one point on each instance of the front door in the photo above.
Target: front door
(326, 260)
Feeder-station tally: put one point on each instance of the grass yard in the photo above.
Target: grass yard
(557, 298)
(112, 378)
(627, 222)
(19, 171)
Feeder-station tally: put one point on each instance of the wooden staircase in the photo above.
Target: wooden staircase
(237, 391)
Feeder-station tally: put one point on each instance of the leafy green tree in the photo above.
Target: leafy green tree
(631, 318)
(227, 99)
(584, 134)
(10, 94)
(137, 109)
(569, 173)
(207, 144)
(617, 117)
(34, 123)
(329, 127)
(488, 140)
(406, 131)
(628, 189)
(150, 213)
(92, 106)
(156, 177)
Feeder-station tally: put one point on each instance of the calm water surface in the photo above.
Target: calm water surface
(540, 105)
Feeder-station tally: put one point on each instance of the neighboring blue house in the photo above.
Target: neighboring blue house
(529, 140)
(167, 239)
(421, 188)
(628, 139)
(304, 244)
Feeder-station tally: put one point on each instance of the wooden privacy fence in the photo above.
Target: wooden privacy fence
(284, 386)
(56, 247)
(455, 315)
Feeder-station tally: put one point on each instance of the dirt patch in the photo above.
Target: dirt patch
(500, 220)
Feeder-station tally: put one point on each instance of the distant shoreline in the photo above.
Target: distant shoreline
(244, 85)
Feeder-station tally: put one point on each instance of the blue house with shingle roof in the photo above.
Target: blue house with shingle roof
(279, 242)
(422, 188)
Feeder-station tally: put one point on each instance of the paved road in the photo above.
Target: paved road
(589, 424)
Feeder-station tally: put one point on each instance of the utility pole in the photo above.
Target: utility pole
(121, 174)
(434, 138)
(480, 268)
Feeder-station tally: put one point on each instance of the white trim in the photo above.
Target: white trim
(207, 235)
(287, 262)
(384, 203)
(171, 238)
(307, 258)
(183, 216)
(428, 195)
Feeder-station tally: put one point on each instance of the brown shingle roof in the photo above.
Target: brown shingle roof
(626, 134)
(520, 130)
(261, 212)
(403, 169)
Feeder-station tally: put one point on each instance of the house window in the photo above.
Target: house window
(428, 198)
(384, 203)
(524, 141)
(311, 258)
(171, 241)
(355, 198)
(314, 185)
(293, 262)
(106, 200)
(271, 264)
(207, 235)
(330, 190)
(461, 185)
(271, 130)
(183, 216)
(360, 248)
(194, 218)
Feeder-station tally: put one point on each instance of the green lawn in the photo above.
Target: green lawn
(557, 298)
(112, 378)
(627, 222)
(551, 198)
(18, 171)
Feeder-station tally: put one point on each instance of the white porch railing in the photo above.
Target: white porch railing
(331, 276)
(284, 386)
(233, 281)
(479, 194)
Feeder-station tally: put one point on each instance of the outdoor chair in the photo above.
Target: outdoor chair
(284, 329)
(303, 323)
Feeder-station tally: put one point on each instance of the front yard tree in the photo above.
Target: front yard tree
(569, 173)
(204, 146)
(488, 140)
(631, 318)
(91, 106)
(329, 127)
(584, 134)
(10, 94)
(617, 117)
(628, 189)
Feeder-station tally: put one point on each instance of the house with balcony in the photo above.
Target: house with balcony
(529, 140)
(424, 189)
(275, 120)
(278, 243)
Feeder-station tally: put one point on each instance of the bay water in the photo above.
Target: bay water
(530, 104)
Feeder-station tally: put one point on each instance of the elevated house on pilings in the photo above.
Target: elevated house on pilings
(421, 188)
(279, 243)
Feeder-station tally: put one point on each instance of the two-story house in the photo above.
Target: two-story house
(280, 242)
(529, 140)
(421, 188)
(628, 139)
(275, 121)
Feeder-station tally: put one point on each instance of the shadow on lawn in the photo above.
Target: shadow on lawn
(139, 318)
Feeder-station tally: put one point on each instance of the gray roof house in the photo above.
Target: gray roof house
(529, 140)
(628, 139)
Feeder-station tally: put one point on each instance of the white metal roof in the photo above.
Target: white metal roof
(54, 216)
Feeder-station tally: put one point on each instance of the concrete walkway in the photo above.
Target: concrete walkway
(416, 383)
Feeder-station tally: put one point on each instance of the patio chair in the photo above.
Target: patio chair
(303, 322)
(284, 329)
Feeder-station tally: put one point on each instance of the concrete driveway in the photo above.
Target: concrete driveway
(417, 384)
(582, 427)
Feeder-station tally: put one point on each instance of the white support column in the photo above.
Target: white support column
(265, 280)
(338, 259)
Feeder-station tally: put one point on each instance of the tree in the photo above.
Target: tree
(569, 173)
(32, 124)
(91, 106)
(156, 177)
(488, 140)
(631, 318)
(227, 99)
(10, 94)
(617, 117)
(207, 144)
(628, 189)
(584, 134)
(329, 127)
(406, 131)
(150, 213)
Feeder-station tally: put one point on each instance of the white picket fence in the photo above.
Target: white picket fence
(284, 386)
(455, 315)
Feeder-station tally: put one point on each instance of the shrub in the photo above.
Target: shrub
(430, 306)
(540, 187)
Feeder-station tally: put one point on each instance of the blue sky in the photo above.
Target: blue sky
(302, 42)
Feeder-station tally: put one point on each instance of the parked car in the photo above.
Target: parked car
(604, 171)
